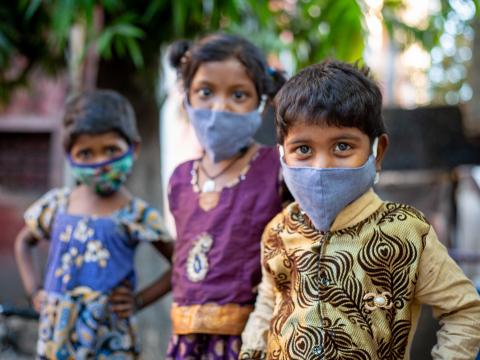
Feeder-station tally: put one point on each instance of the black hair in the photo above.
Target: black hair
(330, 93)
(187, 56)
(98, 112)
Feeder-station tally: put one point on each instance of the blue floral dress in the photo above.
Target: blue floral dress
(88, 257)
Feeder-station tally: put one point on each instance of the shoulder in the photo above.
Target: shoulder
(183, 169)
(396, 212)
(268, 153)
(143, 221)
(39, 216)
(182, 174)
(403, 222)
(51, 199)
(277, 224)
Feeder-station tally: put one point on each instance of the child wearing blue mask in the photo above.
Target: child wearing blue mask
(93, 230)
(345, 273)
(222, 201)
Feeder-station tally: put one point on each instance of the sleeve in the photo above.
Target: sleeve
(454, 299)
(146, 224)
(255, 334)
(39, 216)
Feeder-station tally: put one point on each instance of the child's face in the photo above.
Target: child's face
(223, 86)
(97, 148)
(329, 147)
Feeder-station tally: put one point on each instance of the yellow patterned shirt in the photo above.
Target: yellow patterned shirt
(355, 292)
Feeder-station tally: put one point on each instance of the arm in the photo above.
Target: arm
(255, 334)
(124, 302)
(24, 244)
(455, 302)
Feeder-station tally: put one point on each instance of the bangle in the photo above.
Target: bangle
(137, 303)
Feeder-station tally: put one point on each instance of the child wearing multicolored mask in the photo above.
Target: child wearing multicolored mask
(345, 273)
(93, 230)
(222, 201)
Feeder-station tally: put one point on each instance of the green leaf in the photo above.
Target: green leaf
(135, 52)
(32, 8)
(104, 43)
(127, 30)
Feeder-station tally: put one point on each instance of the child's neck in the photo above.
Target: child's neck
(227, 170)
(85, 201)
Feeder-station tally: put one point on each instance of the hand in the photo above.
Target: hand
(122, 301)
(37, 299)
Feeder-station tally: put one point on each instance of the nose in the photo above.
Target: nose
(322, 162)
(220, 104)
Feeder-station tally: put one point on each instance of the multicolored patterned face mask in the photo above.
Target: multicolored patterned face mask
(105, 177)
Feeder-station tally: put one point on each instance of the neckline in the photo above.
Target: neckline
(241, 176)
(115, 213)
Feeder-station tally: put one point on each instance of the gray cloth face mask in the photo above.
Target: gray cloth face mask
(323, 193)
(224, 134)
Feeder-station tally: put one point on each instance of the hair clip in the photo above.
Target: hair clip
(271, 71)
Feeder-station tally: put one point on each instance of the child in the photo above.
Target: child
(345, 273)
(93, 231)
(222, 201)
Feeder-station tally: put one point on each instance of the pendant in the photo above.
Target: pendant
(208, 186)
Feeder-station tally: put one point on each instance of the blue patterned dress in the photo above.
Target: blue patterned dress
(88, 257)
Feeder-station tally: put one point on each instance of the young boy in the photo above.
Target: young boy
(345, 273)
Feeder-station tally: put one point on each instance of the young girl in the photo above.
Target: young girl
(345, 273)
(93, 231)
(222, 201)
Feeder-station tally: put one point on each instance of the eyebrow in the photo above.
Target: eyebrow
(203, 82)
(303, 140)
(346, 137)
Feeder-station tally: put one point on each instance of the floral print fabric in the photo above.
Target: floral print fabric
(88, 257)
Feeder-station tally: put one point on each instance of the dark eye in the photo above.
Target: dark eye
(342, 147)
(84, 154)
(112, 151)
(204, 92)
(303, 150)
(239, 95)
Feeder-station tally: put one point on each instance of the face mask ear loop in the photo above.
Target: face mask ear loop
(281, 151)
(263, 101)
(375, 147)
(374, 153)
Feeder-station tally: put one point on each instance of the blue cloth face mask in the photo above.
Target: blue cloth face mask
(224, 134)
(107, 177)
(323, 193)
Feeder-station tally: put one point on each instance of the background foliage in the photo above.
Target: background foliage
(35, 33)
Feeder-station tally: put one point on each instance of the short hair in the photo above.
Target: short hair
(187, 56)
(330, 93)
(98, 112)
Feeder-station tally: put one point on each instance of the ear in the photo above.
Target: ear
(136, 149)
(382, 146)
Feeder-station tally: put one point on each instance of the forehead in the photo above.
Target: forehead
(304, 131)
(226, 72)
(110, 137)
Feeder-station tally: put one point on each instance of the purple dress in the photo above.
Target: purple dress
(217, 256)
